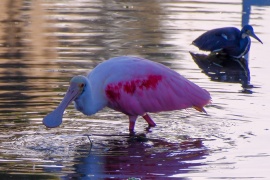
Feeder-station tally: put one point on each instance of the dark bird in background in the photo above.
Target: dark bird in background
(228, 41)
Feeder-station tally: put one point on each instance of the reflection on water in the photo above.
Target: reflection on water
(43, 43)
(140, 157)
(224, 69)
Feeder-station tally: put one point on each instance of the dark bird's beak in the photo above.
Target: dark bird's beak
(252, 34)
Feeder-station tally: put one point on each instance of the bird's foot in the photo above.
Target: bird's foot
(148, 129)
(138, 138)
(131, 132)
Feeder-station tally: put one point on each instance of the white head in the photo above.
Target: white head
(76, 88)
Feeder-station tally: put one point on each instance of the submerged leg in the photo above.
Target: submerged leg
(132, 121)
(148, 119)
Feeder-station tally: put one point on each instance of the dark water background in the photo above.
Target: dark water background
(43, 43)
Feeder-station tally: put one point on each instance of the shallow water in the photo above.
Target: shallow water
(44, 43)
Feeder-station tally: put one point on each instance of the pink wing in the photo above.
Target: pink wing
(153, 88)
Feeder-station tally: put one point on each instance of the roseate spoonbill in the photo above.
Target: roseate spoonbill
(133, 86)
(228, 40)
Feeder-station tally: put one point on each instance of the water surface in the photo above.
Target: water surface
(45, 43)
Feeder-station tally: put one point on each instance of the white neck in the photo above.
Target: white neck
(91, 100)
(244, 35)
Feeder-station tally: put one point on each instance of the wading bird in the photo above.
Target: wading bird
(133, 86)
(228, 40)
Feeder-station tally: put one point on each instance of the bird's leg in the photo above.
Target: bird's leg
(148, 119)
(132, 121)
(89, 139)
(91, 142)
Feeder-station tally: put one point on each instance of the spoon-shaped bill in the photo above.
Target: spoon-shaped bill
(54, 118)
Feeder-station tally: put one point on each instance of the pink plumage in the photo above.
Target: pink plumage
(133, 86)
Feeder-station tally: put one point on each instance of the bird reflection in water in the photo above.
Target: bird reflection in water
(225, 69)
(141, 157)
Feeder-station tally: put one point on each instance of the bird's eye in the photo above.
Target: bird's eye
(81, 85)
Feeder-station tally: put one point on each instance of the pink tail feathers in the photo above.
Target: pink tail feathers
(202, 100)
